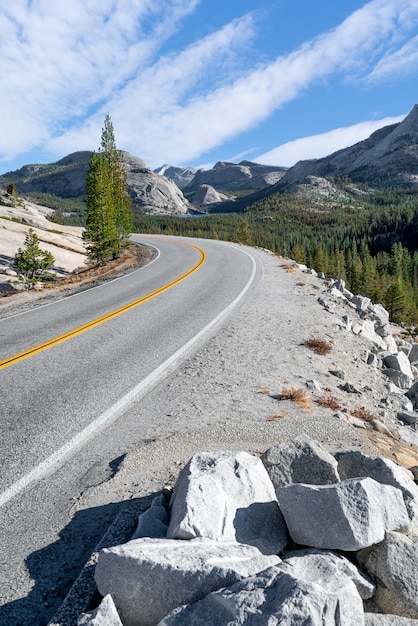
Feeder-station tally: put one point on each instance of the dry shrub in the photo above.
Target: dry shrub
(264, 390)
(296, 395)
(288, 267)
(320, 346)
(330, 402)
(277, 416)
(363, 414)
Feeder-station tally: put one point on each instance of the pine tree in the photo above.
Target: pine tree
(100, 231)
(109, 214)
(395, 301)
(244, 234)
(32, 262)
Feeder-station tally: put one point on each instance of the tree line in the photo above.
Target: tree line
(371, 242)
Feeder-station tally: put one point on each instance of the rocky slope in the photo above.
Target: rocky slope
(67, 179)
(390, 153)
(179, 175)
(64, 242)
(226, 176)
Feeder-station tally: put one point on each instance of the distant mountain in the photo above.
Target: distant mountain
(206, 195)
(389, 157)
(179, 175)
(66, 178)
(231, 177)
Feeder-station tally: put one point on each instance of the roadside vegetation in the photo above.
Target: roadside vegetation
(31, 262)
(108, 204)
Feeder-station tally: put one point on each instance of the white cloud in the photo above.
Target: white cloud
(64, 65)
(402, 61)
(184, 130)
(59, 60)
(324, 144)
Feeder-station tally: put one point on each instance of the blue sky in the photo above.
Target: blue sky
(192, 82)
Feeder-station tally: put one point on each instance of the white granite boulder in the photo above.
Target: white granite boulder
(227, 497)
(413, 353)
(398, 378)
(105, 615)
(355, 464)
(400, 363)
(393, 564)
(275, 597)
(412, 394)
(148, 578)
(320, 566)
(154, 521)
(300, 460)
(350, 515)
(361, 302)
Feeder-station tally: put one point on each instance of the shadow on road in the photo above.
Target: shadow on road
(55, 567)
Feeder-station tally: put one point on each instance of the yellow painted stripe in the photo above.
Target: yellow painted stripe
(105, 318)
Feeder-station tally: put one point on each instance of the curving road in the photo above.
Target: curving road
(58, 396)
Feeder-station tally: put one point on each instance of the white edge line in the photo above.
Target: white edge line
(141, 388)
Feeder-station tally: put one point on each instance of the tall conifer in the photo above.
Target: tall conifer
(109, 213)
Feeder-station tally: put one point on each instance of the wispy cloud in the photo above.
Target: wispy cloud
(400, 62)
(60, 60)
(317, 146)
(64, 65)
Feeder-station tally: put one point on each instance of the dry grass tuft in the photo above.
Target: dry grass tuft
(277, 416)
(296, 395)
(300, 283)
(288, 267)
(364, 414)
(320, 346)
(264, 390)
(330, 402)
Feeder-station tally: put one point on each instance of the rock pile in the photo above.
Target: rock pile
(298, 536)
(395, 356)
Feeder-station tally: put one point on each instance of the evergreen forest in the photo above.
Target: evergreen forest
(370, 239)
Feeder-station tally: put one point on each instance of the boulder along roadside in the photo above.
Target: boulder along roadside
(238, 392)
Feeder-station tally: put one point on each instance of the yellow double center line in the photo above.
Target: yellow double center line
(104, 318)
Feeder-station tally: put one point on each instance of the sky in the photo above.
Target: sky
(193, 82)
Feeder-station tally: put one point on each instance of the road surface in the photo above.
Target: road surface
(71, 373)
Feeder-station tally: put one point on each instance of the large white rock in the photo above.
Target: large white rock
(398, 378)
(321, 566)
(361, 302)
(350, 515)
(154, 521)
(148, 578)
(412, 394)
(276, 597)
(393, 564)
(368, 331)
(413, 354)
(300, 460)
(400, 363)
(228, 497)
(105, 615)
(355, 464)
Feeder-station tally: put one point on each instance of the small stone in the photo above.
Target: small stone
(338, 373)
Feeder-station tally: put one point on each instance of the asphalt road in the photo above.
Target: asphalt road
(59, 404)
